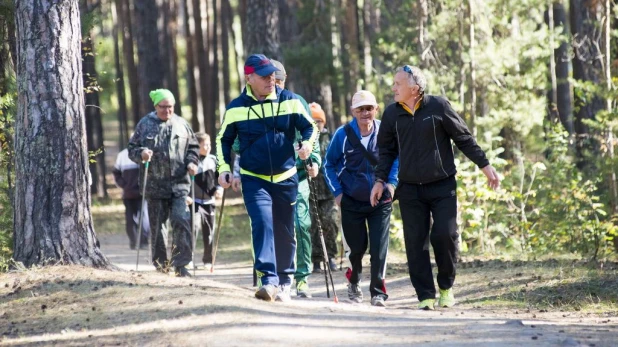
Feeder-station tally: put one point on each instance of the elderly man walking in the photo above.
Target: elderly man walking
(417, 129)
(349, 165)
(265, 119)
(166, 141)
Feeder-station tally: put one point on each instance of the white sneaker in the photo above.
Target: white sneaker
(284, 293)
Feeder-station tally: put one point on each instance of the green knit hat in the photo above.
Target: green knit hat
(159, 95)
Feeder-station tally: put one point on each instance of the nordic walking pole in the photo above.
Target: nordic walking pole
(141, 215)
(312, 194)
(218, 232)
(341, 255)
(193, 233)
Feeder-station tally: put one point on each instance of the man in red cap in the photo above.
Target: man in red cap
(265, 119)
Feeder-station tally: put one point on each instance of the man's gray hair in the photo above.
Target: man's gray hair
(416, 77)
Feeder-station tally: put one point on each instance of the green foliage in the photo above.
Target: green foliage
(8, 96)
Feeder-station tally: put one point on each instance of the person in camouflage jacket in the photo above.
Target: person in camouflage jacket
(327, 209)
(168, 143)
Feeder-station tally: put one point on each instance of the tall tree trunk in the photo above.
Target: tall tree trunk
(53, 221)
(126, 23)
(238, 50)
(123, 125)
(168, 33)
(151, 69)
(214, 67)
(608, 104)
(423, 32)
(349, 40)
(202, 60)
(559, 95)
(340, 108)
(262, 29)
(472, 37)
(367, 41)
(191, 66)
(587, 67)
(226, 26)
(561, 55)
(94, 124)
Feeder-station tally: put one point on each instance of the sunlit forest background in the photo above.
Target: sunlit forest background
(535, 80)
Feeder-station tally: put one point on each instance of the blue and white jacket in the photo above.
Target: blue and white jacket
(346, 168)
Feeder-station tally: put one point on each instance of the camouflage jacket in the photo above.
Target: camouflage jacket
(323, 193)
(174, 146)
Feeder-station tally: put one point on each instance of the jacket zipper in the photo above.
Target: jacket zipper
(435, 139)
(270, 160)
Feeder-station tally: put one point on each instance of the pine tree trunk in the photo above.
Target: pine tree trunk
(349, 39)
(366, 44)
(53, 221)
(125, 21)
(226, 18)
(423, 32)
(169, 56)
(472, 37)
(191, 68)
(94, 124)
(214, 68)
(561, 55)
(202, 60)
(151, 68)
(262, 29)
(559, 95)
(123, 125)
(587, 67)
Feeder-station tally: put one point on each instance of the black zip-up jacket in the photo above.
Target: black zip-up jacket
(423, 141)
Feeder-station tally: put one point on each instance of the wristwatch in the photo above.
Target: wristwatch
(380, 180)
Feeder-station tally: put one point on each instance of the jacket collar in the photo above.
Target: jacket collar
(272, 96)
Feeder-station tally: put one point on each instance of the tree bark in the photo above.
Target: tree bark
(168, 33)
(202, 61)
(94, 124)
(423, 32)
(367, 43)
(565, 110)
(472, 120)
(262, 29)
(125, 21)
(226, 26)
(587, 67)
(191, 67)
(560, 93)
(123, 125)
(213, 104)
(151, 69)
(350, 56)
(53, 222)
(608, 104)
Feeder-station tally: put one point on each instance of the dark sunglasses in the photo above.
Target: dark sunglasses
(408, 69)
(367, 108)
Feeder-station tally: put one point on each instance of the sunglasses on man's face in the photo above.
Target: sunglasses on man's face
(367, 108)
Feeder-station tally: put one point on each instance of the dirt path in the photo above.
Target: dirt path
(75, 306)
(241, 320)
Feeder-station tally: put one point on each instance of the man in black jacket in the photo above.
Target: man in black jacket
(418, 129)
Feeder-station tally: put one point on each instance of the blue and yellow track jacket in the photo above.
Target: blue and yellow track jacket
(266, 131)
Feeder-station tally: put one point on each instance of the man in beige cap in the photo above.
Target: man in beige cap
(349, 166)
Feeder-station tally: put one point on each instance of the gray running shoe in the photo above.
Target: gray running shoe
(266, 292)
(354, 293)
(283, 294)
(378, 300)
